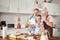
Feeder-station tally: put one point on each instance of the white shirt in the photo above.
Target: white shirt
(38, 28)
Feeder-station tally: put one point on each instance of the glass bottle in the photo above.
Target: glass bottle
(18, 25)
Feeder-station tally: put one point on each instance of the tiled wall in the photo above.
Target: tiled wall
(57, 20)
(12, 18)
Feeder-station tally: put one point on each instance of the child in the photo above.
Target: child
(38, 25)
(35, 28)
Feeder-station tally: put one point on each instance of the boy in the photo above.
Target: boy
(38, 25)
(36, 28)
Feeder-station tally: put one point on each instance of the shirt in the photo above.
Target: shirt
(50, 19)
(38, 28)
(32, 30)
(33, 17)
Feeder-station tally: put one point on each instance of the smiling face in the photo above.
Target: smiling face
(44, 13)
(38, 18)
(36, 12)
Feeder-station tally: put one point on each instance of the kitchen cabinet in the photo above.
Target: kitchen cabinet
(26, 6)
(4, 5)
(13, 5)
(21, 6)
(17, 6)
(8, 5)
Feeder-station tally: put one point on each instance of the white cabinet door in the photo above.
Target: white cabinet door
(13, 5)
(19, 6)
(26, 6)
(4, 5)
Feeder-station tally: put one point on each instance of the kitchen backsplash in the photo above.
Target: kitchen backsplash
(12, 18)
(57, 21)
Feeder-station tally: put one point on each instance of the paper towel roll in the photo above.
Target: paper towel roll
(4, 32)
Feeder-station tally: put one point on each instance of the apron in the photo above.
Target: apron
(47, 27)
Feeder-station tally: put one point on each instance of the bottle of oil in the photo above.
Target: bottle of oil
(18, 25)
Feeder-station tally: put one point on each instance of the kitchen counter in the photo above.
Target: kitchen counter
(18, 31)
(14, 30)
(56, 31)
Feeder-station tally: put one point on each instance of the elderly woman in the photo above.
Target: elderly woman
(48, 22)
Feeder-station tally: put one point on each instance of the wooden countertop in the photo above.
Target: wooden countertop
(54, 38)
